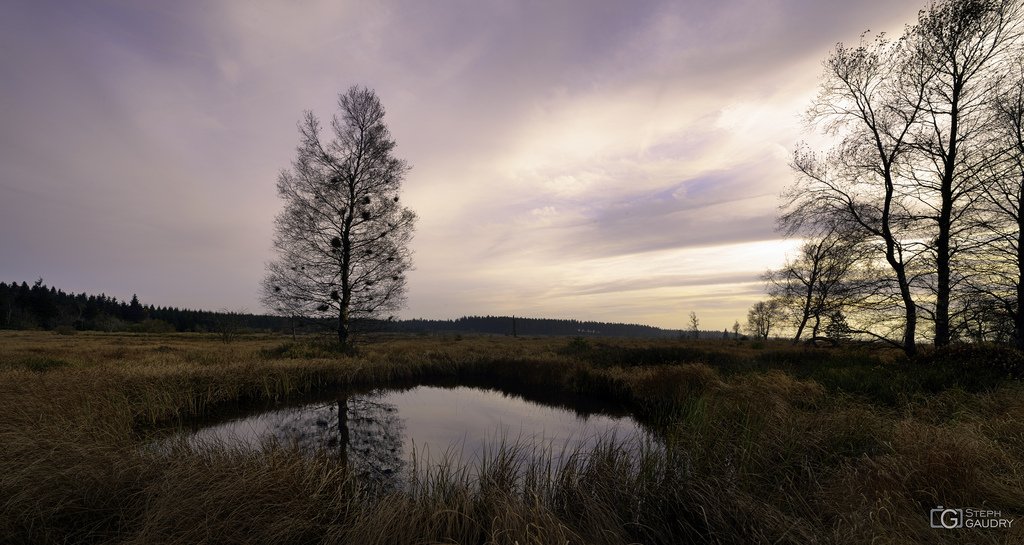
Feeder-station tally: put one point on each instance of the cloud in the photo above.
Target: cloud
(568, 156)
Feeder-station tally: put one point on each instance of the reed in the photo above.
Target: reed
(752, 447)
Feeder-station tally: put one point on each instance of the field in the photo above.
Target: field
(761, 443)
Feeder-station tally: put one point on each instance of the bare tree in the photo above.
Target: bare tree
(914, 124)
(997, 269)
(911, 118)
(342, 238)
(694, 326)
(817, 281)
(762, 317)
(229, 323)
(963, 45)
(868, 102)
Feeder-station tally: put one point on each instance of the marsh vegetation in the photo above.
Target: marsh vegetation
(758, 443)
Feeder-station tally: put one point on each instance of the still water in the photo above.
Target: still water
(380, 433)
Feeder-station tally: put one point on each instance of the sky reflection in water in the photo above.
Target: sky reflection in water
(460, 423)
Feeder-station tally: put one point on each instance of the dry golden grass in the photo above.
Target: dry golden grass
(750, 454)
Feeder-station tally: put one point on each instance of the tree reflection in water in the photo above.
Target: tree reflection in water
(363, 431)
(369, 439)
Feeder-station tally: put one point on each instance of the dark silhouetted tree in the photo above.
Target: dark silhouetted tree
(135, 312)
(762, 317)
(837, 329)
(913, 121)
(997, 270)
(964, 46)
(817, 281)
(870, 103)
(342, 238)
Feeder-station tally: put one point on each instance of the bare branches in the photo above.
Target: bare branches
(856, 188)
(343, 235)
(916, 154)
(819, 281)
(763, 317)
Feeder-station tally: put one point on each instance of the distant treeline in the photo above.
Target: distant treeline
(37, 306)
(41, 307)
(507, 325)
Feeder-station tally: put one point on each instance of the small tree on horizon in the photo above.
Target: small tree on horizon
(694, 326)
(761, 317)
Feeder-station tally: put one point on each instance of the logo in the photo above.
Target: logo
(948, 518)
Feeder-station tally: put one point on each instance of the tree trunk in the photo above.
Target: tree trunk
(1015, 312)
(942, 270)
(346, 271)
(942, 250)
(343, 323)
(343, 439)
(910, 329)
(909, 343)
(808, 301)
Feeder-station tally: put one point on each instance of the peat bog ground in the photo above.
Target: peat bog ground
(757, 443)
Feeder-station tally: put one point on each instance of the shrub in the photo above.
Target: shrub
(578, 346)
(969, 358)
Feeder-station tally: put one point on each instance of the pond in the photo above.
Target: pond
(382, 434)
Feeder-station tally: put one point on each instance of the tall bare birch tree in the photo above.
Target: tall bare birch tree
(342, 238)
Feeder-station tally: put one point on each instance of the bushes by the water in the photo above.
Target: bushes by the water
(605, 355)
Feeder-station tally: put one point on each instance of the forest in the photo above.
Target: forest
(45, 307)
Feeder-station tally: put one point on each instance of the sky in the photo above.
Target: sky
(596, 160)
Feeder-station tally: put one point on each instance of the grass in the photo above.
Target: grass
(759, 444)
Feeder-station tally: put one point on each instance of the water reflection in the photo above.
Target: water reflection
(377, 434)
